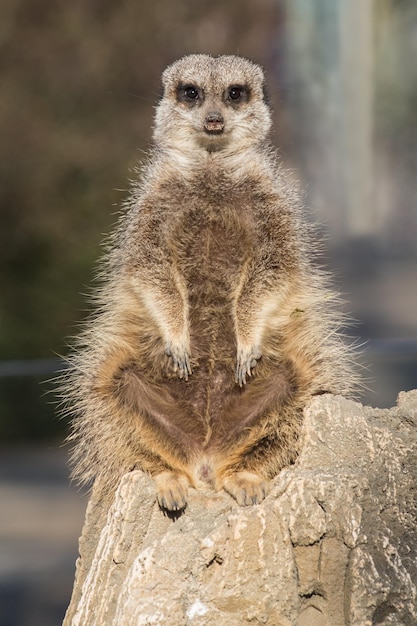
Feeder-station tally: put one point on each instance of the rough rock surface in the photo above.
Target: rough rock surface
(334, 544)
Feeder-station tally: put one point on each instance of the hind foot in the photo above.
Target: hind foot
(172, 491)
(246, 487)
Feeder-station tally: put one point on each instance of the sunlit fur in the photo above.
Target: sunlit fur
(214, 324)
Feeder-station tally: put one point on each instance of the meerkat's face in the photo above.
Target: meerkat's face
(212, 104)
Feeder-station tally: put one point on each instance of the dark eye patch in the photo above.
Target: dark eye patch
(189, 93)
(236, 94)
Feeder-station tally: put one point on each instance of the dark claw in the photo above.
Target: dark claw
(241, 373)
(240, 378)
(185, 367)
(244, 367)
(181, 364)
(162, 503)
(173, 506)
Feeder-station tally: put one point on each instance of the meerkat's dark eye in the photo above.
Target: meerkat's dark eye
(188, 93)
(237, 94)
(191, 93)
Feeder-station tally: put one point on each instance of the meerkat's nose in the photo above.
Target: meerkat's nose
(214, 123)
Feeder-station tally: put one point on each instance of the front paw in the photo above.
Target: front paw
(247, 358)
(180, 359)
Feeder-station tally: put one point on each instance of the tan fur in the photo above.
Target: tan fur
(215, 327)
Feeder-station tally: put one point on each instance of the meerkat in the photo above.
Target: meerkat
(215, 325)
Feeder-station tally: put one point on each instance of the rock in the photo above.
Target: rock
(334, 543)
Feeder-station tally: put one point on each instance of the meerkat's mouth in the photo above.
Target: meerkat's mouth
(214, 123)
(214, 130)
(213, 135)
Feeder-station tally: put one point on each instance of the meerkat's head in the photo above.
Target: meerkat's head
(212, 104)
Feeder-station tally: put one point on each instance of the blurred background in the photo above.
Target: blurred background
(78, 85)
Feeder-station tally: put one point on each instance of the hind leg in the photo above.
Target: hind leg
(259, 434)
(166, 428)
(129, 421)
(246, 468)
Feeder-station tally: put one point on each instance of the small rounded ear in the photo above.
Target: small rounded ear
(165, 82)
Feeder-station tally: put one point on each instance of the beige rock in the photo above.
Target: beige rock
(335, 542)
